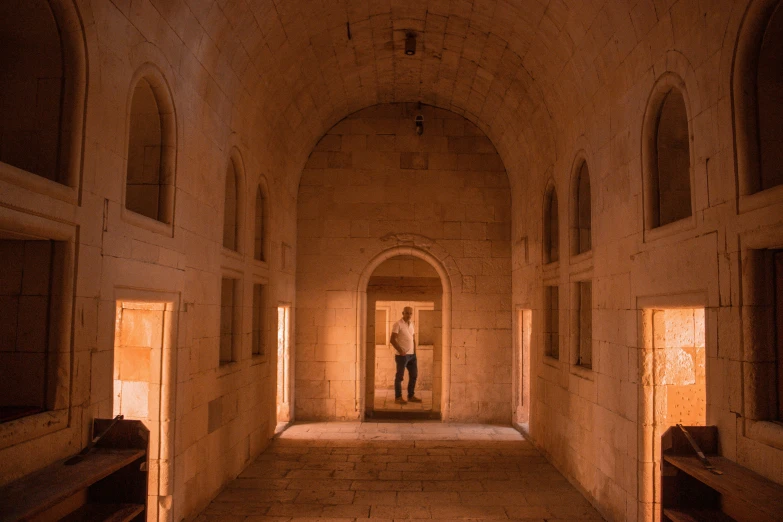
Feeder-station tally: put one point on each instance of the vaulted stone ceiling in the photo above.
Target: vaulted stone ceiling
(517, 68)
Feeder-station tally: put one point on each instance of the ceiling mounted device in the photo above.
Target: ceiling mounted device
(410, 44)
(419, 124)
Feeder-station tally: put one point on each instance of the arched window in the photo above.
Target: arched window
(674, 160)
(581, 218)
(770, 111)
(149, 185)
(667, 154)
(41, 88)
(757, 81)
(259, 234)
(231, 209)
(551, 228)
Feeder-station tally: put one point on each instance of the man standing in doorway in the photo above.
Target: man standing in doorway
(403, 338)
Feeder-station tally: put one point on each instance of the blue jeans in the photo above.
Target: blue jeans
(405, 361)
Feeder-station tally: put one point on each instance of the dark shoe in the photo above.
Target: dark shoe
(400, 400)
(413, 398)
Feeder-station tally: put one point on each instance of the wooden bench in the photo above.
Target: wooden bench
(692, 493)
(109, 484)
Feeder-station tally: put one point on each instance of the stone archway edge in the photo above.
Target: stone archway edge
(439, 265)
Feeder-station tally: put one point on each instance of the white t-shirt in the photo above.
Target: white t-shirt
(404, 333)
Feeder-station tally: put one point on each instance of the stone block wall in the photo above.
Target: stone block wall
(212, 418)
(372, 184)
(593, 424)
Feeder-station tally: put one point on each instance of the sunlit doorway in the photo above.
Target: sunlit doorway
(398, 282)
(674, 387)
(144, 337)
(426, 323)
(521, 368)
(283, 364)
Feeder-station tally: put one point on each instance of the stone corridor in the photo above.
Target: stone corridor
(399, 471)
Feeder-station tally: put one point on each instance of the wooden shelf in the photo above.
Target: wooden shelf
(33, 493)
(696, 515)
(742, 490)
(105, 513)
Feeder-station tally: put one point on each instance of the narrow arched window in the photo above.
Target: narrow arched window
(757, 81)
(259, 234)
(671, 178)
(152, 156)
(31, 88)
(551, 227)
(770, 102)
(230, 208)
(143, 190)
(581, 239)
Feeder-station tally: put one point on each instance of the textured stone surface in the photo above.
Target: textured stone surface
(461, 210)
(384, 471)
(546, 84)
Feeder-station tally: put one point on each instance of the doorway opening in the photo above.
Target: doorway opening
(427, 326)
(674, 388)
(521, 368)
(398, 282)
(143, 341)
(283, 364)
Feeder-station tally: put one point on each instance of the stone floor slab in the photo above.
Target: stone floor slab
(418, 471)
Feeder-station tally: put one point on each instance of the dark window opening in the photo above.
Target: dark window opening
(26, 282)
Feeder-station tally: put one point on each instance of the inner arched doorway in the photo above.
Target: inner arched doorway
(400, 275)
(398, 283)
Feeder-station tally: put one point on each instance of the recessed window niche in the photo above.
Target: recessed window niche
(770, 110)
(581, 218)
(757, 81)
(229, 320)
(551, 325)
(31, 287)
(667, 155)
(261, 222)
(42, 88)
(582, 342)
(762, 317)
(149, 185)
(24, 316)
(551, 226)
(233, 203)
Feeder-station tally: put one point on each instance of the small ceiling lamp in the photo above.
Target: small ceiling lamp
(419, 124)
(410, 44)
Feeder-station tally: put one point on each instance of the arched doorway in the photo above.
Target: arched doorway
(398, 283)
(385, 281)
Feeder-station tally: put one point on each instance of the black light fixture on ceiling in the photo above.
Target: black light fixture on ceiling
(419, 124)
(419, 120)
(410, 44)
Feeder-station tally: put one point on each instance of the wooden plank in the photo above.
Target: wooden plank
(747, 493)
(696, 515)
(105, 513)
(35, 492)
